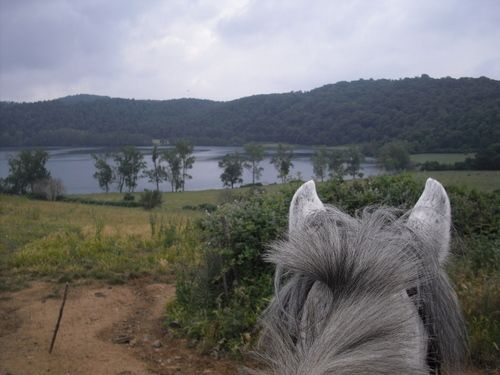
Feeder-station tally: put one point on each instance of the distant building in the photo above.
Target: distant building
(159, 142)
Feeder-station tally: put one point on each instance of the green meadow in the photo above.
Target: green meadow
(61, 240)
(73, 240)
(447, 158)
(69, 241)
(486, 181)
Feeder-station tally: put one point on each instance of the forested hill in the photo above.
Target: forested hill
(432, 114)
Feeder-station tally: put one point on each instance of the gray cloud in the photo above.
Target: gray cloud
(232, 48)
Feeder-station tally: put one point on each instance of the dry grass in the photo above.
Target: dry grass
(68, 240)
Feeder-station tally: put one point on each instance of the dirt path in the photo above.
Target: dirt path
(105, 330)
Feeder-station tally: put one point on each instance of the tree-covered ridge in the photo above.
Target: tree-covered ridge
(430, 114)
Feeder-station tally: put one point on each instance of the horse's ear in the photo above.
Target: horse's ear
(432, 215)
(304, 202)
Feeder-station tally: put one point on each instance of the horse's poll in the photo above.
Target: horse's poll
(365, 294)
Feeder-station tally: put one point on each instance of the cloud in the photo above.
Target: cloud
(232, 48)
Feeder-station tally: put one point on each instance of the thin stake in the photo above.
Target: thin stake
(59, 318)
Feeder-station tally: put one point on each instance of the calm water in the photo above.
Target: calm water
(75, 167)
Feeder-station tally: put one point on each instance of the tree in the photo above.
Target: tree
(282, 161)
(129, 162)
(394, 156)
(104, 171)
(26, 169)
(488, 158)
(173, 170)
(49, 188)
(157, 174)
(255, 154)
(185, 151)
(336, 165)
(233, 169)
(353, 160)
(320, 163)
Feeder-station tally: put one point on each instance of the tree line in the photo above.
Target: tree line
(124, 168)
(487, 159)
(28, 174)
(431, 115)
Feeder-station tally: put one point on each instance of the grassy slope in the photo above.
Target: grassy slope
(67, 240)
(19, 215)
(58, 239)
(54, 238)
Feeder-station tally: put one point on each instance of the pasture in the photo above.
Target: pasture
(70, 240)
(446, 158)
(66, 241)
(486, 181)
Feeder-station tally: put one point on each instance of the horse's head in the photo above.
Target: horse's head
(365, 294)
(431, 214)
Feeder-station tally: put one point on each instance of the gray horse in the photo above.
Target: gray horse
(365, 294)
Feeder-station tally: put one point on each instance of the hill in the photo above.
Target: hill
(432, 114)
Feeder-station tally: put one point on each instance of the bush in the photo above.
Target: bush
(150, 199)
(220, 297)
(128, 197)
(221, 294)
(476, 275)
(205, 207)
(436, 166)
(5, 186)
(50, 189)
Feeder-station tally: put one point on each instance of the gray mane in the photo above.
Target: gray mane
(348, 294)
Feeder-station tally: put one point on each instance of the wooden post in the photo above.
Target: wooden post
(59, 318)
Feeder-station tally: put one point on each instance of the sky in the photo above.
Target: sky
(226, 49)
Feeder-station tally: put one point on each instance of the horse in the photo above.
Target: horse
(363, 295)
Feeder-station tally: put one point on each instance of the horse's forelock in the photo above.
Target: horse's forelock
(334, 260)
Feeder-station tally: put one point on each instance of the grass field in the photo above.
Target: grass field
(54, 239)
(480, 180)
(177, 199)
(74, 240)
(450, 158)
(174, 202)
(33, 217)
(57, 240)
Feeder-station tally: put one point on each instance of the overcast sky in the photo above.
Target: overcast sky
(226, 49)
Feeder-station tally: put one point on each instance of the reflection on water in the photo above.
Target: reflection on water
(75, 167)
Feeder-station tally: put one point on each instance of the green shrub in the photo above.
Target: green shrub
(129, 197)
(476, 275)
(150, 199)
(220, 297)
(221, 292)
(205, 207)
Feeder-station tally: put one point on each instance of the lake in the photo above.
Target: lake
(75, 167)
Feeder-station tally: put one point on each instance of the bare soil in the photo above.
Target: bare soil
(111, 330)
(105, 330)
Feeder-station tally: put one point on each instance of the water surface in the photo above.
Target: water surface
(75, 167)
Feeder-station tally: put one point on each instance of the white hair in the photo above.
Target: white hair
(365, 294)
